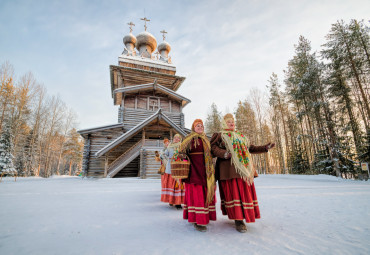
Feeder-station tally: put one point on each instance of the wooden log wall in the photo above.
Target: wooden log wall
(149, 166)
(132, 117)
(141, 102)
(120, 114)
(98, 140)
(86, 154)
(182, 120)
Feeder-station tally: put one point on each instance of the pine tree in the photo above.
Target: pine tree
(73, 151)
(20, 163)
(6, 149)
(298, 162)
(338, 89)
(278, 105)
(213, 120)
(245, 121)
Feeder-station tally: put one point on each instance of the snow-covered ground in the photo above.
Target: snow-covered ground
(300, 215)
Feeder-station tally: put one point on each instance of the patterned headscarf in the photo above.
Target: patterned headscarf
(175, 145)
(196, 122)
(237, 144)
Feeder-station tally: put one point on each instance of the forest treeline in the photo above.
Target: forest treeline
(38, 134)
(318, 114)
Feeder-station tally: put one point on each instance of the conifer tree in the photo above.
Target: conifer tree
(73, 151)
(6, 150)
(213, 120)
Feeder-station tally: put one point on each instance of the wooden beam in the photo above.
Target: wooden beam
(143, 136)
(106, 166)
(86, 170)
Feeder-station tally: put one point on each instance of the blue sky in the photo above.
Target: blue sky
(223, 48)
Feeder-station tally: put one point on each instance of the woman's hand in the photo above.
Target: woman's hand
(227, 155)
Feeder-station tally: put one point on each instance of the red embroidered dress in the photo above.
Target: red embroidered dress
(238, 199)
(195, 208)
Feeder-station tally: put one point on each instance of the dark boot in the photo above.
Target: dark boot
(240, 226)
(178, 207)
(200, 228)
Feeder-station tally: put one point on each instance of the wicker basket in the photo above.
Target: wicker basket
(180, 169)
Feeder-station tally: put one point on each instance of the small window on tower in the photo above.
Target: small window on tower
(153, 104)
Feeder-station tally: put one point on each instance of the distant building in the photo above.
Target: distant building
(144, 87)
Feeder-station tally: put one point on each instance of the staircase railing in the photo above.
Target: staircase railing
(122, 160)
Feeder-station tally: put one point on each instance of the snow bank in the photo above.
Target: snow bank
(300, 215)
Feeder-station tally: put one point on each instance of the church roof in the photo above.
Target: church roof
(141, 76)
(100, 128)
(157, 116)
(153, 87)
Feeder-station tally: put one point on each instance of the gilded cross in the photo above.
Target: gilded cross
(163, 34)
(145, 20)
(131, 24)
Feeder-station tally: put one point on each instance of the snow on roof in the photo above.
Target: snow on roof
(94, 129)
(137, 128)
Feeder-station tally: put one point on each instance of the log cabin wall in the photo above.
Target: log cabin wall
(120, 114)
(86, 154)
(149, 166)
(98, 140)
(133, 117)
(136, 109)
(95, 166)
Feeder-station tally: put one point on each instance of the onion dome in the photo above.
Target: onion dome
(129, 41)
(164, 47)
(145, 44)
(130, 38)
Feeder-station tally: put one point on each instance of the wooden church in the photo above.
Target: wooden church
(144, 87)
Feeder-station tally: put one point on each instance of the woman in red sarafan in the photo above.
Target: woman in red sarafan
(199, 203)
(161, 157)
(235, 173)
(173, 191)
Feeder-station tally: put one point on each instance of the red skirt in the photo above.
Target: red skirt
(173, 191)
(195, 210)
(239, 200)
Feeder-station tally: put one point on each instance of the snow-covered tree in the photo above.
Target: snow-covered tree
(6, 148)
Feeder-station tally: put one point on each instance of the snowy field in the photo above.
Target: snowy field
(69, 215)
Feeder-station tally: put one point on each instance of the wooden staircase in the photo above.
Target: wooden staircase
(148, 166)
(123, 160)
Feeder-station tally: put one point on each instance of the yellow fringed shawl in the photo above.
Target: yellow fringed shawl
(210, 171)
